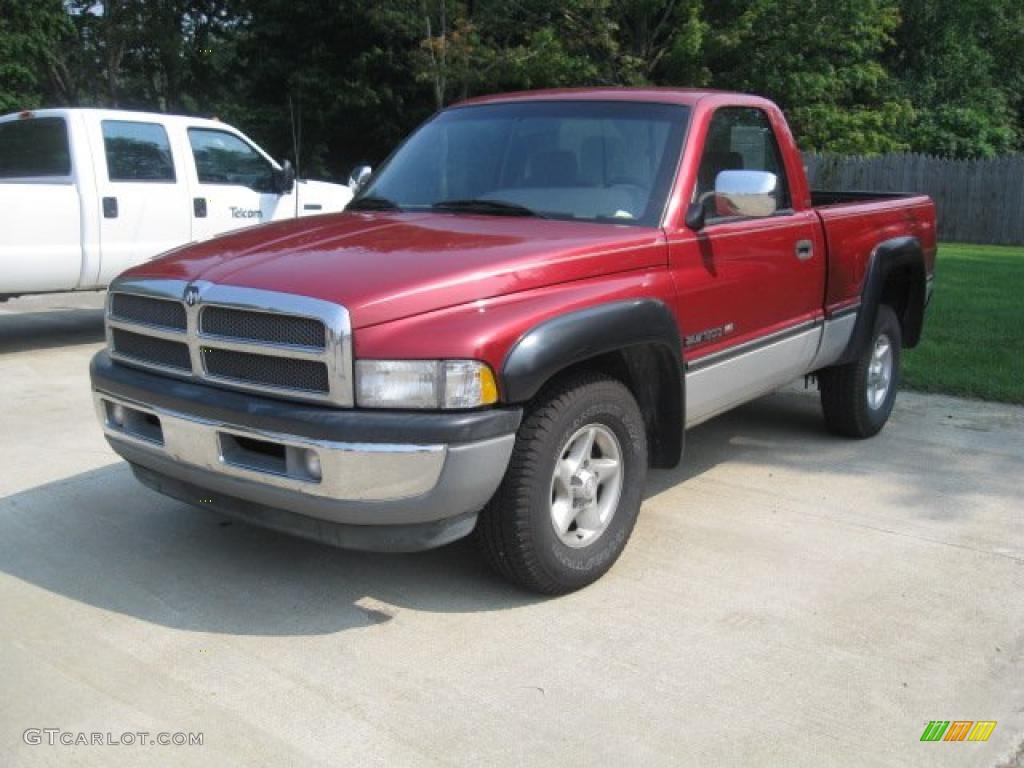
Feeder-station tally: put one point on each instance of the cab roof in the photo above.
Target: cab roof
(114, 114)
(683, 96)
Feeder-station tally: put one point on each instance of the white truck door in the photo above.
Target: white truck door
(41, 236)
(232, 184)
(144, 207)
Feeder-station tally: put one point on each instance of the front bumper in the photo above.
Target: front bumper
(385, 480)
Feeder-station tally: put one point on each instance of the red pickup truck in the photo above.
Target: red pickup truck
(521, 311)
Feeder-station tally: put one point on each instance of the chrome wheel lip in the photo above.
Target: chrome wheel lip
(586, 485)
(880, 372)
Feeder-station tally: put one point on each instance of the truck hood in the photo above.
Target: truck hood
(386, 266)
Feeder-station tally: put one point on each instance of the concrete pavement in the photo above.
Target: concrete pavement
(788, 599)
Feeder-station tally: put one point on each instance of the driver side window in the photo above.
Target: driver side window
(223, 158)
(739, 139)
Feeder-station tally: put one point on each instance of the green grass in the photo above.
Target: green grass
(973, 342)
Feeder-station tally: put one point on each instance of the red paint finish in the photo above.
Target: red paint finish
(851, 242)
(745, 276)
(487, 329)
(434, 285)
(386, 266)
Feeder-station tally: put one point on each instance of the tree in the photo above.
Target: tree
(820, 60)
(30, 35)
(962, 65)
(339, 81)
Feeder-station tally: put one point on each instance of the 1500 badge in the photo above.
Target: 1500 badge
(246, 213)
(711, 334)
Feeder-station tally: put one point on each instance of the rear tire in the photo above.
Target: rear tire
(573, 488)
(857, 398)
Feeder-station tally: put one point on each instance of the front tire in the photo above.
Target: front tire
(857, 398)
(573, 488)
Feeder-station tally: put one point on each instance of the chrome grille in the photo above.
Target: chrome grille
(237, 338)
(307, 375)
(162, 313)
(152, 350)
(263, 326)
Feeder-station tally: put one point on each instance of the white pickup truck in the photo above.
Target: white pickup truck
(87, 193)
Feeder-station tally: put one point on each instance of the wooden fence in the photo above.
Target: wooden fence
(978, 201)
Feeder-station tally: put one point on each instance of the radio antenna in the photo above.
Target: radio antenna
(296, 142)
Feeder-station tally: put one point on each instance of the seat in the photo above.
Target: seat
(600, 161)
(554, 168)
(713, 164)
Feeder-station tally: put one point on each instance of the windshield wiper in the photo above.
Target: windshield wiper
(373, 203)
(485, 206)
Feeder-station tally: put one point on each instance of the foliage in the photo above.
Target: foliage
(30, 37)
(963, 64)
(340, 81)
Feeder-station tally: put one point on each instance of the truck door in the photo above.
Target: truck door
(750, 289)
(41, 237)
(141, 193)
(232, 184)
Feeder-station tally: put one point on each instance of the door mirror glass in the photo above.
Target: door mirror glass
(284, 179)
(752, 194)
(359, 176)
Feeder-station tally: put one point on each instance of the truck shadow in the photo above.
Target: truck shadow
(102, 539)
(23, 331)
(756, 430)
(785, 434)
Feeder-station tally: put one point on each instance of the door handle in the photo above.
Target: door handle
(804, 250)
(109, 207)
(199, 207)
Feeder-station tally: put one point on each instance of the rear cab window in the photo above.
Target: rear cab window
(137, 151)
(35, 147)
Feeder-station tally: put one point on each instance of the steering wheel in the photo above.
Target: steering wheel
(627, 181)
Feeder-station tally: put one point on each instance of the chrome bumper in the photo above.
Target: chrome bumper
(361, 484)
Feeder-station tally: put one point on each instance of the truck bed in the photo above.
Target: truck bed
(821, 198)
(855, 223)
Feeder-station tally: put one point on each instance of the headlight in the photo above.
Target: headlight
(449, 384)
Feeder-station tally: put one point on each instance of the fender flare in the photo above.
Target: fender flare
(646, 336)
(565, 340)
(887, 257)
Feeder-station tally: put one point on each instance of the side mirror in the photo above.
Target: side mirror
(359, 176)
(696, 216)
(284, 179)
(746, 193)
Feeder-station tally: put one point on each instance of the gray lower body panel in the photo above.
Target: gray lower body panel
(834, 339)
(721, 385)
(736, 376)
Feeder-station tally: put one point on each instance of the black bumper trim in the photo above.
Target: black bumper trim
(312, 421)
(368, 538)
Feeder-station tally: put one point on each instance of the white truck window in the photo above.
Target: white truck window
(223, 158)
(137, 151)
(33, 148)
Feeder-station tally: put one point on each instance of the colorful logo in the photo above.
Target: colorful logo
(958, 730)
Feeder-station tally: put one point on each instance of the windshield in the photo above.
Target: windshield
(592, 161)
